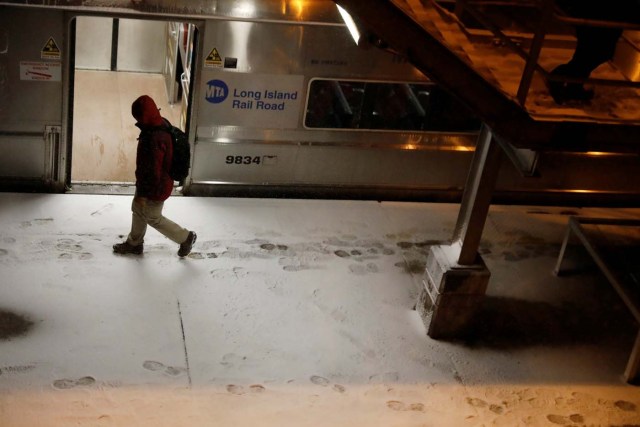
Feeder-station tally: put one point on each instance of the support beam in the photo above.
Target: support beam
(632, 371)
(476, 198)
(456, 278)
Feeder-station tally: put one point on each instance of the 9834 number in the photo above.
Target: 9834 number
(242, 160)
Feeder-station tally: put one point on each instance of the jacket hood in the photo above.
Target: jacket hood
(145, 111)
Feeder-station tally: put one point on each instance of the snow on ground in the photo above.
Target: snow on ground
(296, 313)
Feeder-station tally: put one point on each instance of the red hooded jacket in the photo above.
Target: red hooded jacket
(155, 151)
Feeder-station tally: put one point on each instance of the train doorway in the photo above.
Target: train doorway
(114, 62)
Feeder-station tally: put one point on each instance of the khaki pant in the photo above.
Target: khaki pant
(149, 212)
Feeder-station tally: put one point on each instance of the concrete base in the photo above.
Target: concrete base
(452, 293)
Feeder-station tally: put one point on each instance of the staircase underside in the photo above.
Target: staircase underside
(485, 76)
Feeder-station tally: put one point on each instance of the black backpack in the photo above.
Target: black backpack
(181, 153)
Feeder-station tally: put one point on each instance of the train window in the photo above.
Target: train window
(346, 104)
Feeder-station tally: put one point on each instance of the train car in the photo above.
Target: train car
(276, 97)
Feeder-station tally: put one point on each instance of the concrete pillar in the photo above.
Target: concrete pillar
(452, 293)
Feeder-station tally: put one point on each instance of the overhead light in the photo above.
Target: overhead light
(351, 25)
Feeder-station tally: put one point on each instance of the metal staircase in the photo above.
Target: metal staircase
(500, 69)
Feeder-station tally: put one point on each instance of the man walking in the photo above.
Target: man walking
(153, 183)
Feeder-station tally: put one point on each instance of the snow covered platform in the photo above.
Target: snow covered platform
(298, 313)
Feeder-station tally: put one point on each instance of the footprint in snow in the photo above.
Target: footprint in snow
(66, 384)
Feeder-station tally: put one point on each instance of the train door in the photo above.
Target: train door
(115, 61)
(31, 93)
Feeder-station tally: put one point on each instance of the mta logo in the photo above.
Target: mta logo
(217, 91)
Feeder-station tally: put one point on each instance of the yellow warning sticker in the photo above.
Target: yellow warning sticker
(213, 59)
(50, 50)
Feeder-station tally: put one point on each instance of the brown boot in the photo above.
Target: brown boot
(185, 247)
(127, 248)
